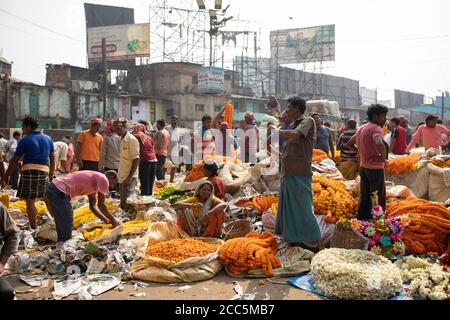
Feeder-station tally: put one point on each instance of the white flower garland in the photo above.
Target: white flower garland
(355, 274)
(428, 280)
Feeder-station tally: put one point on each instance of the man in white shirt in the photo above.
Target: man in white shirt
(61, 149)
(3, 143)
(129, 161)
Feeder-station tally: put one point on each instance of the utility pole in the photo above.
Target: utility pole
(105, 76)
(210, 42)
(443, 105)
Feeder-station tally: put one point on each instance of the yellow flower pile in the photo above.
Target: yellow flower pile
(403, 164)
(97, 231)
(275, 208)
(331, 198)
(21, 205)
(4, 198)
(84, 214)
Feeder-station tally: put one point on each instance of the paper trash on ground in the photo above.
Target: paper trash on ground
(85, 293)
(34, 281)
(239, 292)
(66, 288)
(183, 288)
(100, 283)
(137, 294)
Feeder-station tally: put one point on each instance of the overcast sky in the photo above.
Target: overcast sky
(385, 44)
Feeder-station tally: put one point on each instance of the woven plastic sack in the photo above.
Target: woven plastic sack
(416, 181)
(437, 188)
(158, 270)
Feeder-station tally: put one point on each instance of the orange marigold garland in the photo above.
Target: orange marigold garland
(254, 251)
(429, 226)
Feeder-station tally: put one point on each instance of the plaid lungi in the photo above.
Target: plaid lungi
(32, 184)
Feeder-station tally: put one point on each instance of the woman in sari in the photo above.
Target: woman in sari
(203, 214)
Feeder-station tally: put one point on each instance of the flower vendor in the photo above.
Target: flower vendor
(203, 214)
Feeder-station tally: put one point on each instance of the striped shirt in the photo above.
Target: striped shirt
(346, 153)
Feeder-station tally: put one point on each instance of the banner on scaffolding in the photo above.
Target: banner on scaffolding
(123, 42)
(303, 45)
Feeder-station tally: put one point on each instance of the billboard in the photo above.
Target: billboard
(123, 42)
(303, 45)
(407, 100)
(104, 16)
(211, 80)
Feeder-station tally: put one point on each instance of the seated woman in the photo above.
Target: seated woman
(202, 215)
(213, 177)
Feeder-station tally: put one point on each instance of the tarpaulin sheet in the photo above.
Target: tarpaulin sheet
(305, 282)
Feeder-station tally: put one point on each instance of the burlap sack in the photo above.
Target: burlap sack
(437, 189)
(158, 270)
(234, 176)
(416, 181)
(47, 231)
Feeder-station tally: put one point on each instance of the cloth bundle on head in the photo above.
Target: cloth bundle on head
(121, 122)
(139, 131)
(249, 115)
(108, 129)
(95, 121)
(138, 128)
(224, 126)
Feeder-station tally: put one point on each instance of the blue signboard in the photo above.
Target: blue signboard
(211, 80)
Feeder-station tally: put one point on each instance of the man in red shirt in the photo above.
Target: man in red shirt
(373, 152)
(398, 137)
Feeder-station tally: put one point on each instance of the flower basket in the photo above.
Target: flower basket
(348, 239)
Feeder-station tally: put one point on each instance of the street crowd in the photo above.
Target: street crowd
(122, 156)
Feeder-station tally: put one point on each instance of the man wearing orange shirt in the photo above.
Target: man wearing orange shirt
(89, 144)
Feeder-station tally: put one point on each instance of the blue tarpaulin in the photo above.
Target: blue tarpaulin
(305, 282)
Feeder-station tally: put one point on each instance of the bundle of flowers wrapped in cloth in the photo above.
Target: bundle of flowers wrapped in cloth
(355, 274)
(254, 251)
(428, 228)
(402, 165)
(385, 234)
(330, 198)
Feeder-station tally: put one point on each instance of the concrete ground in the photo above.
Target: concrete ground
(218, 288)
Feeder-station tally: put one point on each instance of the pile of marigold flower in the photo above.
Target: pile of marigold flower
(441, 163)
(403, 164)
(331, 198)
(180, 249)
